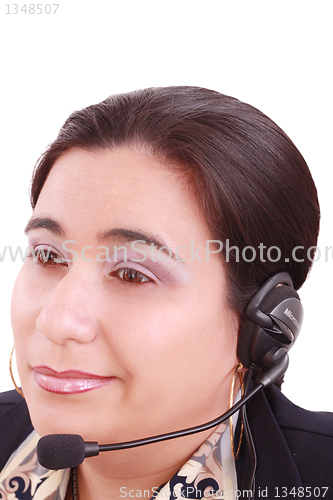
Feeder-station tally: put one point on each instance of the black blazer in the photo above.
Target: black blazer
(294, 447)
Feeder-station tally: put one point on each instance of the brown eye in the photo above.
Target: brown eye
(133, 276)
(48, 258)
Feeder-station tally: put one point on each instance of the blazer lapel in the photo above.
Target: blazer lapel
(15, 424)
(276, 473)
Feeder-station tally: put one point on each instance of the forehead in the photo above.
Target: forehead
(120, 187)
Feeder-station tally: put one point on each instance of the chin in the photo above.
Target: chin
(76, 414)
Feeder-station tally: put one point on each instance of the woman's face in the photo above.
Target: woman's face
(114, 349)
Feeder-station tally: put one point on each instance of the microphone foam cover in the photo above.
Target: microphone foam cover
(61, 451)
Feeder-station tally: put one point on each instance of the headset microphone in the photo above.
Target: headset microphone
(62, 451)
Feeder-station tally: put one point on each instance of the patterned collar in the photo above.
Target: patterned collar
(209, 473)
(23, 478)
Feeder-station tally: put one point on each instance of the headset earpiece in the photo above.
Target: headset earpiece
(275, 316)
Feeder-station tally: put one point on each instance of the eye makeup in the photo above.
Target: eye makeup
(159, 264)
(170, 272)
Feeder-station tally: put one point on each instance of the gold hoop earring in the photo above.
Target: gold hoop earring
(231, 402)
(11, 374)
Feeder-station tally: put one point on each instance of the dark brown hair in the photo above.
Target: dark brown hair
(251, 182)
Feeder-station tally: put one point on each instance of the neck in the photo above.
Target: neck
(139, 471)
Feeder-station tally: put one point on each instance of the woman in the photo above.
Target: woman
(157, 216)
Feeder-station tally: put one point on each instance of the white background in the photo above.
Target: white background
(275, 55)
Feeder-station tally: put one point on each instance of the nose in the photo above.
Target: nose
(68, 314)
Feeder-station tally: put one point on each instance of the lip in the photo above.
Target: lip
(69, 381)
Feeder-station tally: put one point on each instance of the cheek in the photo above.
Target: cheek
(20, 306)
(27, 302)
(182, 353)
(171, 339)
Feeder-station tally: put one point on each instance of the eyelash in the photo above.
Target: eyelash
(120, 273)
(57, 260)
(49, 254)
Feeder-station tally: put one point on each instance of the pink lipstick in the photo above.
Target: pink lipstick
(68, 382)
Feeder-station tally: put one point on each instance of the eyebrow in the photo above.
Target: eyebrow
(123, 236)
(46, 223)
(119, 235)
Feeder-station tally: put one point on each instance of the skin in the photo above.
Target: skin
(165, 333)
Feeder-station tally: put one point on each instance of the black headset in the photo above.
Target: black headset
(273, 321)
